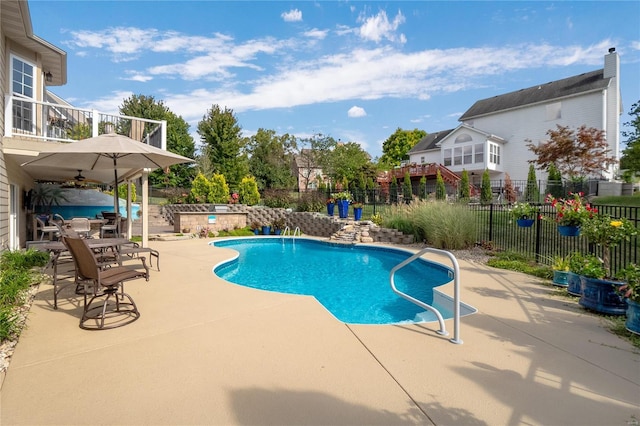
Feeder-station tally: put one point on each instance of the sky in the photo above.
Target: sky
(352, 70)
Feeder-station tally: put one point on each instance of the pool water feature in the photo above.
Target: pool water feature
(351, 282)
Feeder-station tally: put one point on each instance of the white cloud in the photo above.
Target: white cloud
(376, 28)
(294, 15)
(316, 34)
(356, 111)
(635, 45)
(139, 77)
(109, 104)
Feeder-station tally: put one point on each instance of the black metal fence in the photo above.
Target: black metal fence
(498, 229)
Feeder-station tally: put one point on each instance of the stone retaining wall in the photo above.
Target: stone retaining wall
(232, 216)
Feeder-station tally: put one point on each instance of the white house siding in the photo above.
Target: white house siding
(530, 122)
(4, 182)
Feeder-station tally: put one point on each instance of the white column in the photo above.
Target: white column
(145, 208)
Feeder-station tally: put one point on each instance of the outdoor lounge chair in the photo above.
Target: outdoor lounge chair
(49, 226)
(118, 307)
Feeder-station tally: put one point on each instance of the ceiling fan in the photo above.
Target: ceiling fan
(79, 176)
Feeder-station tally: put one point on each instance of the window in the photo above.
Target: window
(22, 86)
(447, 158)
(479, 149)
(463, 138)
(457, 156)
(467, 154)
(494, 153)
(554, 111)
(421, 160)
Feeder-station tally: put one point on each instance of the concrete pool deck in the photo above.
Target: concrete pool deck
(208, 352)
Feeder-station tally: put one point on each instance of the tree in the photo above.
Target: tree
(220, 132)
(348, 161)
(531, 192)
(270, 159)
(631, 155)
(248, 191)
(393, 190)
(577, 155)
(422, 191)
(219, 192)
(509, 192)
(464, 192)
(396, 147)
(486, 195)
(179, 141)
(441, 190)
(200, 189)
(554, 182)
(407, 190)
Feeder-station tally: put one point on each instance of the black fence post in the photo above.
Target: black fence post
(490, 222)
(538, 237)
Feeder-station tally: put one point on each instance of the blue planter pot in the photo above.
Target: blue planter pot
(277, 231)
(569, 231)
(602, 296)
(561, 278)
(525, 223)
(357, 213)
(633, 317)
(574, 284)
(330, 208)
(256, 232)
(343, 208)
(266, 230)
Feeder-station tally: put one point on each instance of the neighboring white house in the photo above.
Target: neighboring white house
(493, 133)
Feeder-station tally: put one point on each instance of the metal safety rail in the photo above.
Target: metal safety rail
(287, 232)
(456, 292)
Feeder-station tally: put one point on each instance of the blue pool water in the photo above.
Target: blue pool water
(352, 282)
(92, 212)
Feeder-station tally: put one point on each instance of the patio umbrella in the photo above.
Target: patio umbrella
(107, 151)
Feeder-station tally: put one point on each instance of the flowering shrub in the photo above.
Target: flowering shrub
(631, 288)
(607, 232)
(523, 211)
(572, 211)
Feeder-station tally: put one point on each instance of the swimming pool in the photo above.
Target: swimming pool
(351, 282)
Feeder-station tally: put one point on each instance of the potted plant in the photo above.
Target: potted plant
(524, 214)
(606, 233)
(255, 227)
(560, 268)
(357, 210)
(599, 293)
(577, 262)
(342, 199)
(570, 213)
(630, 290)
(331, 203)
(278, 225)
(266, 229)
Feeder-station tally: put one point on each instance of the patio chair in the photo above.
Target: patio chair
(51, 225)
(112, 226)
(81, 226)
(104, 284)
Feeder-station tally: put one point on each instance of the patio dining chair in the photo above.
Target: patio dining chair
(103, 285)
(81, 226)
(49, 225)
(112, 226)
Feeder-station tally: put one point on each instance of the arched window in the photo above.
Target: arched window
(463, 138)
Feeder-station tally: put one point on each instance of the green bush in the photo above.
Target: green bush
(277, 198)
(312, 202)
(16, 275)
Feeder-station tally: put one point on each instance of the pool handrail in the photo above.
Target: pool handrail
(456, 292)
(287, 232)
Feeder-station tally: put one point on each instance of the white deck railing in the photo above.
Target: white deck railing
(33, 119)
